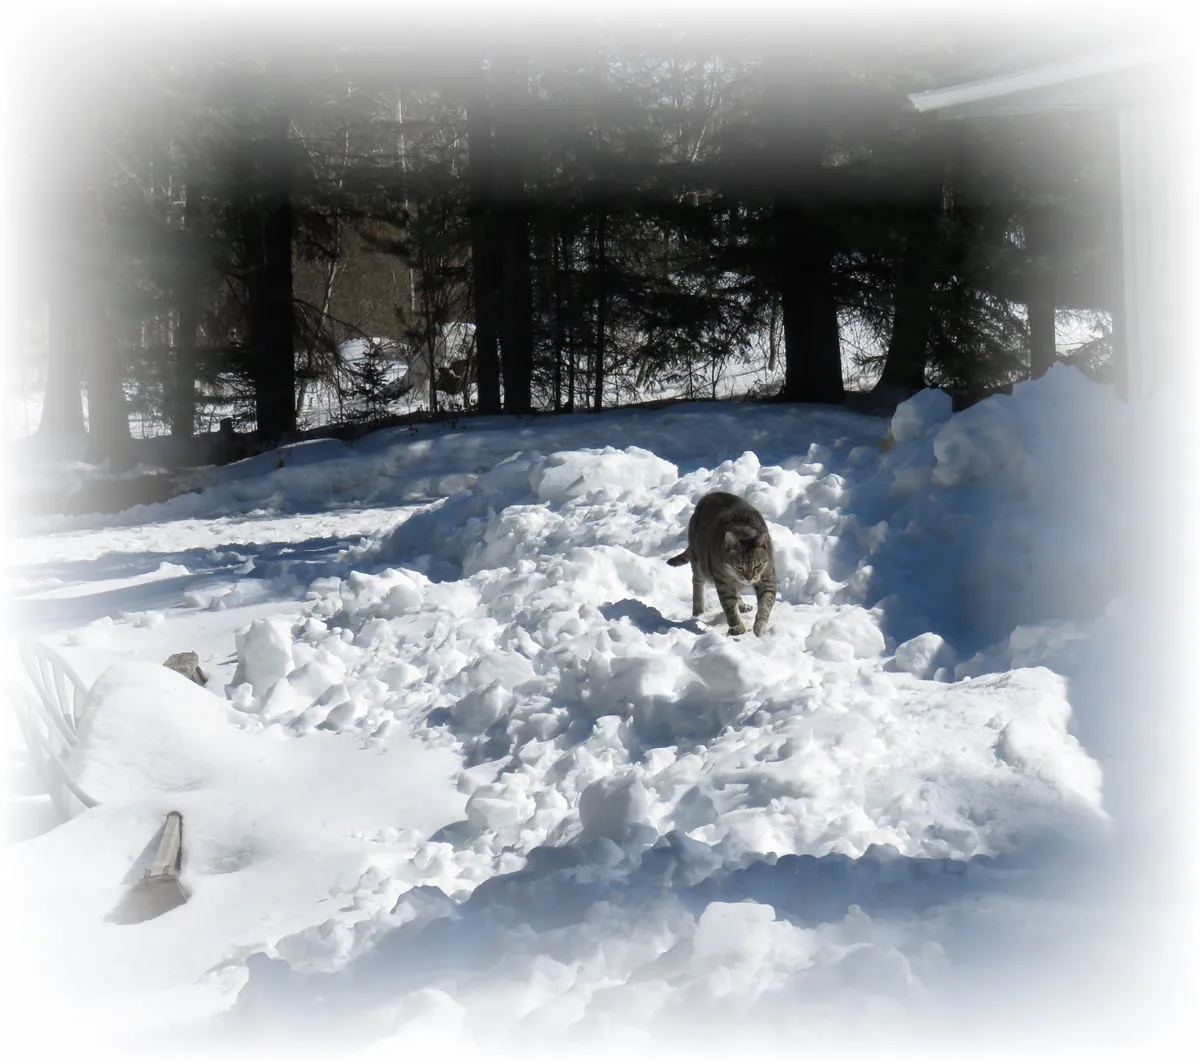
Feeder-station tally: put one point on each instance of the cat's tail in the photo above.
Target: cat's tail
(678, 561)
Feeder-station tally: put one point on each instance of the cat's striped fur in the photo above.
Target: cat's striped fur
(730, 546)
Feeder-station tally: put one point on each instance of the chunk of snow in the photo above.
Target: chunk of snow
(609, 472)
(849, 633)
(264, 654)
(923, 655)
(916, 416)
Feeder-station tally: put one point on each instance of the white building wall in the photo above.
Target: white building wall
(1149, 217)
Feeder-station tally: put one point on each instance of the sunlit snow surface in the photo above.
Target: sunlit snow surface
(473, 778)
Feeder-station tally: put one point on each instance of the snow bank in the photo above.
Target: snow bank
(276, 832)
(538, 624)
(532, 620)
(610, 473)
(653, 827)
(1017, 509)
(915, 417)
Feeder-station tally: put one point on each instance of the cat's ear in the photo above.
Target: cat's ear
(731, 541)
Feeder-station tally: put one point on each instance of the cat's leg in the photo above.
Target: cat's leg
(765, 591)
(697, 592)
(728, 595)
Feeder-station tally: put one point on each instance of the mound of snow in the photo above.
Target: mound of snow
(149, 729)
(1004, 515)
(611, 473)
(491, 777)
(264, 654)
(850, 633)
(923, 655)
(981, 442)
(924, 410)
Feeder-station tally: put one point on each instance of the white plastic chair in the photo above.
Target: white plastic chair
(49, 723)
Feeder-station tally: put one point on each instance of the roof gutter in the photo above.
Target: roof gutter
(959, 98)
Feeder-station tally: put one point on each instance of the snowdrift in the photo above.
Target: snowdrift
(539, 799)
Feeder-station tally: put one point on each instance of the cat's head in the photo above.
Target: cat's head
(748, 555)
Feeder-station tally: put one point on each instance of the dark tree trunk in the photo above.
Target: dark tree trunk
(183, 411)
(108, 418)
(773, 334)
(187, 300)
(515, 311)
(812, 347)
(569, 284)
(516, 333)
(83, 351)
(791, 170)
(62, 409)
(485, 283)
(265, 216)
(70, 228)
(557, 331)
(1040, 306)
(431, 367)
(272, 325)
(601, 312)
(485, 261)
(908, 346)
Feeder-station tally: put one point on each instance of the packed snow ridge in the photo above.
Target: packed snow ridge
(537, 799)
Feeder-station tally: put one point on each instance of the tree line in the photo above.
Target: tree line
(549, 229)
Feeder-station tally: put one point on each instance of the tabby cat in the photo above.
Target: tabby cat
(729, 545)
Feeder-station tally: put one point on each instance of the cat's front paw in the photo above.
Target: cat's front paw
(737, 631)
(760, 628)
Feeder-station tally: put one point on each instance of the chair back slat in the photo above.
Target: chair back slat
(49, 722)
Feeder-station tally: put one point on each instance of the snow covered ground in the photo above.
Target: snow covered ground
(468, 776)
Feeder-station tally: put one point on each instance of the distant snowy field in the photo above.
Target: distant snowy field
(468, 776)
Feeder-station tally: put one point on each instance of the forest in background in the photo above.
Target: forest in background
(555, 225)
